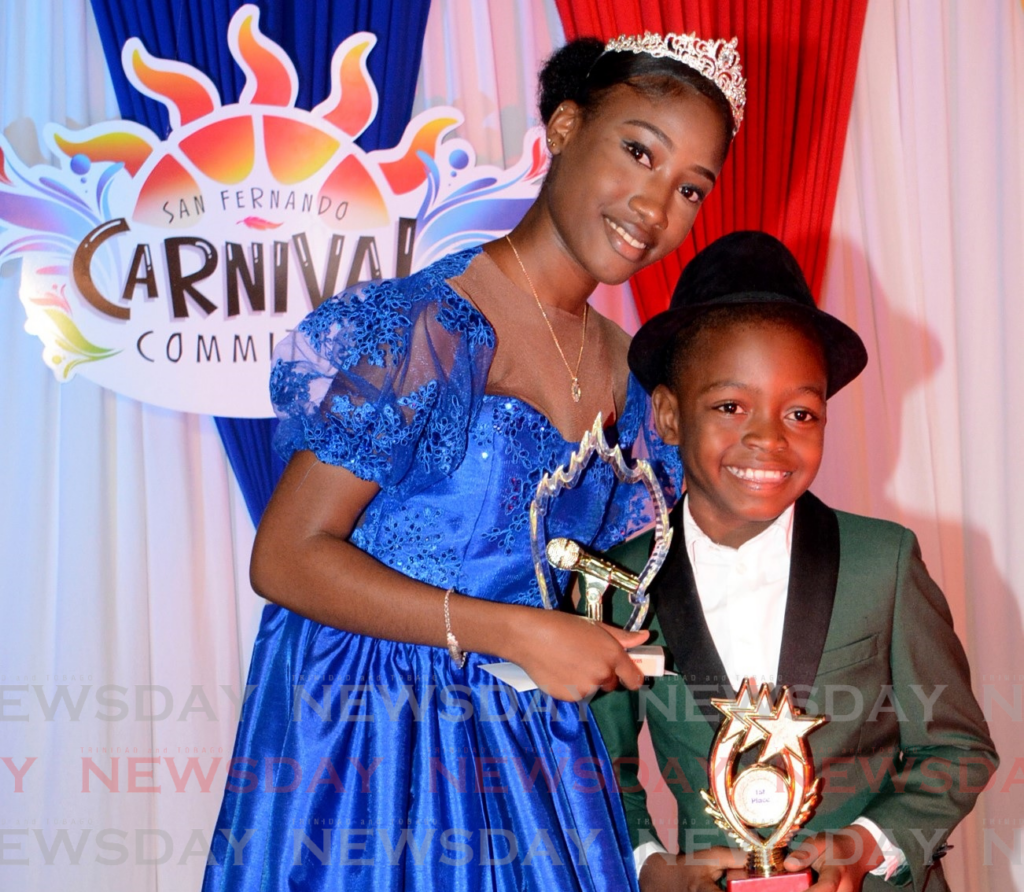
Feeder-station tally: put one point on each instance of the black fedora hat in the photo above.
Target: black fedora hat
(746, 267)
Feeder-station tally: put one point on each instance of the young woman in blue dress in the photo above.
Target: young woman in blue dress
(419, 415)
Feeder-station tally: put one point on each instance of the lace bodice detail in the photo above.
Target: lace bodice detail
(388, 380)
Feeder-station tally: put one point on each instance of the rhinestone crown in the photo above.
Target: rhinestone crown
(717, 60)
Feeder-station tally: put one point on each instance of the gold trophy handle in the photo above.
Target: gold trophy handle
(594, 589)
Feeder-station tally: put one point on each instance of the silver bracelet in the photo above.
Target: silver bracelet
(457, 655)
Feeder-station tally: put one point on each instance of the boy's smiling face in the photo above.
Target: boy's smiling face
(747, 410)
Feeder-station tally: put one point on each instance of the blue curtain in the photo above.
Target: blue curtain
(195, 31)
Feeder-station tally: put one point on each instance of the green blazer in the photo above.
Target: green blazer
(867, 639)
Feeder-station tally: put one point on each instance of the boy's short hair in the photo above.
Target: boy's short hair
(742, 269)
(688, 339)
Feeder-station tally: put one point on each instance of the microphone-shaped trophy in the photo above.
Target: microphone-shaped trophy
(598, 574)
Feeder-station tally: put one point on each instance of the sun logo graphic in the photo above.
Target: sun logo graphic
(166, 269)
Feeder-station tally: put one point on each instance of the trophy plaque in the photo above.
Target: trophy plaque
(597, 573)
(777, 794)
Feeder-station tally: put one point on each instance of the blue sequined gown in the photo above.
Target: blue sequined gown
(369, 764)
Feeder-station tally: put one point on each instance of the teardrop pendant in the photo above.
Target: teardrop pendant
(577, 393)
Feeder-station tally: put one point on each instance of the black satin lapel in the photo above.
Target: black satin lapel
(677, 604)
(813, 574)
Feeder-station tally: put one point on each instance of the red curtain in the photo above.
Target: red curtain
(800, 61)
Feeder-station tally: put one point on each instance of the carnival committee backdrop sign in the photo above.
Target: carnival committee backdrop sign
(166, 270)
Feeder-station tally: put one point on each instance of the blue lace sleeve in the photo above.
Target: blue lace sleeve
(384, 379)
(630, 509)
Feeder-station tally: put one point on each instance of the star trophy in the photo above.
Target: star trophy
(778, 792)
(598, 574)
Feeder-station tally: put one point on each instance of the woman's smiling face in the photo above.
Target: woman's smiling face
(630, 176)
(747, 410)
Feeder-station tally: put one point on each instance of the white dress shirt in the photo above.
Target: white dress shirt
(743, 595)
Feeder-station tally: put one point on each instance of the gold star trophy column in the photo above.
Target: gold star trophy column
(777, 793)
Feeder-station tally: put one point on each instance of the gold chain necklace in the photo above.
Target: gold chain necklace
(577, 393)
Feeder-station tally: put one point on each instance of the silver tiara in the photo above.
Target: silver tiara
(717, 60)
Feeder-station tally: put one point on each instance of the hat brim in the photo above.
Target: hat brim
(651, 349)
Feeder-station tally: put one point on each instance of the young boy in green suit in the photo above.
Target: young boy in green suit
(763, 580)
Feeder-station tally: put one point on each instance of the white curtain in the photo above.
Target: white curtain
(927, 262)
(124, 544)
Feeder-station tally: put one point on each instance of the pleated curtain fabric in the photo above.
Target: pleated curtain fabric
(800, 61)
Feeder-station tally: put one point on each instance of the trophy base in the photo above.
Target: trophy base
(781, 882)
